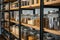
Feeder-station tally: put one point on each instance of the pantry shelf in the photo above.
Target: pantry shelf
(12, 5)
(31, 6)
(27, 25)
(35, 27)
(14, 27)
(53, 3)
(16, 8)
(17, 36)
(56, 32)
(5, 37)
(12, 33)
(49, 3)
(5, 1)
(7, 29)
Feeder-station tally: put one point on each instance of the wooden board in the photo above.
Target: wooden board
(5, 37)
(15, 35)
(56, 32)
(6, 29)
(31, 26)
(8, 1)
(52, 2)
(31, 6)
(16, 8)
(27, 25)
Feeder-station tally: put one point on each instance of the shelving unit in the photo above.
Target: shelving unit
(20, 8)
(40, 5)
(37, 28)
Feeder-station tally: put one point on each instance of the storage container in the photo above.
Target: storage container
(24, 2)
(6, 7)
(6, 15)
(17, 30)
(37, 22)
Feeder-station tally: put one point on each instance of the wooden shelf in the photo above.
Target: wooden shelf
(27, 25)
(31, 6)
(5, 1)
(50, 3)
(53, 3)
(12, 33)
(56, 32)
(5, 37)
(35, 6)
(16, 8)
(6, 29)
(15, 34)
(31, 26)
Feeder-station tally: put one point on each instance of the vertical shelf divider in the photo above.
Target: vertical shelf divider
(20, 11)
(41, 18)
(9, 21)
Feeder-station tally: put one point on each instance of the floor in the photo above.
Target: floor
(1, 38)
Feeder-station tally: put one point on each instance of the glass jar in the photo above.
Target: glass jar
(31, 34)
(6, 15)
(24, 2)
(37, 36)
(25, 34)
(36, 18)
(30, 19)
(24, 19)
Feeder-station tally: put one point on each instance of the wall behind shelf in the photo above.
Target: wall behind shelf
(38, 11)
(46, 10)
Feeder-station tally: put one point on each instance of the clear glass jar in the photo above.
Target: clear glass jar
(25, 34)
(24, 18)
(24, 2)
(37, 36)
